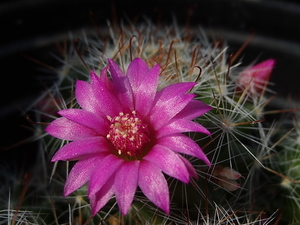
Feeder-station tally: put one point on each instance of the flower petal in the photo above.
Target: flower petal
(106, 169)
(121, 86)
(168, 102)
(109, 103)
(104, 79)
(168, 162)
(180, 126)
(189, 167)
(100, 199)
(137, 71)
(193, 110)
(144, 84)
(66, 129)
(126, 184)
(77, 149)
(87, 119)
(154, 185)
(183, 144)
(86, 99)
(81, 172)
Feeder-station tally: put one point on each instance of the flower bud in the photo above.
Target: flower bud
(255, 78)
(226, 177)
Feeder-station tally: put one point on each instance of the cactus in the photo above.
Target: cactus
(253, 177)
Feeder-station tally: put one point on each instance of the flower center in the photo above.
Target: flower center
(128, 133)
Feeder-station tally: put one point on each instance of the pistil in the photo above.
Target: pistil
(128, 133)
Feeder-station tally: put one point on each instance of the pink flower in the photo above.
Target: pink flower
(257, 77)
(127, 134)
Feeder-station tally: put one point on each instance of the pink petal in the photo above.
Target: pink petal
(121, 86)
(87, 119)
(104, 79)
(144, 96)
(65, 129)
(137, 71)
(193, 110)
(100, 199)
(180, 126)
(144, 84)
(189, 167)
(77, 149)
(168, 162)
(81, 172)
(86, 99)
(126, 184)
(108, 102)
(110, 164)
(183, 144)
(170, 101)
(154, 185)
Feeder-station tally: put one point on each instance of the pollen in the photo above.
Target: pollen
(128, 133)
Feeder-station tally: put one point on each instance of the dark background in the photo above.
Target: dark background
(31, 28)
